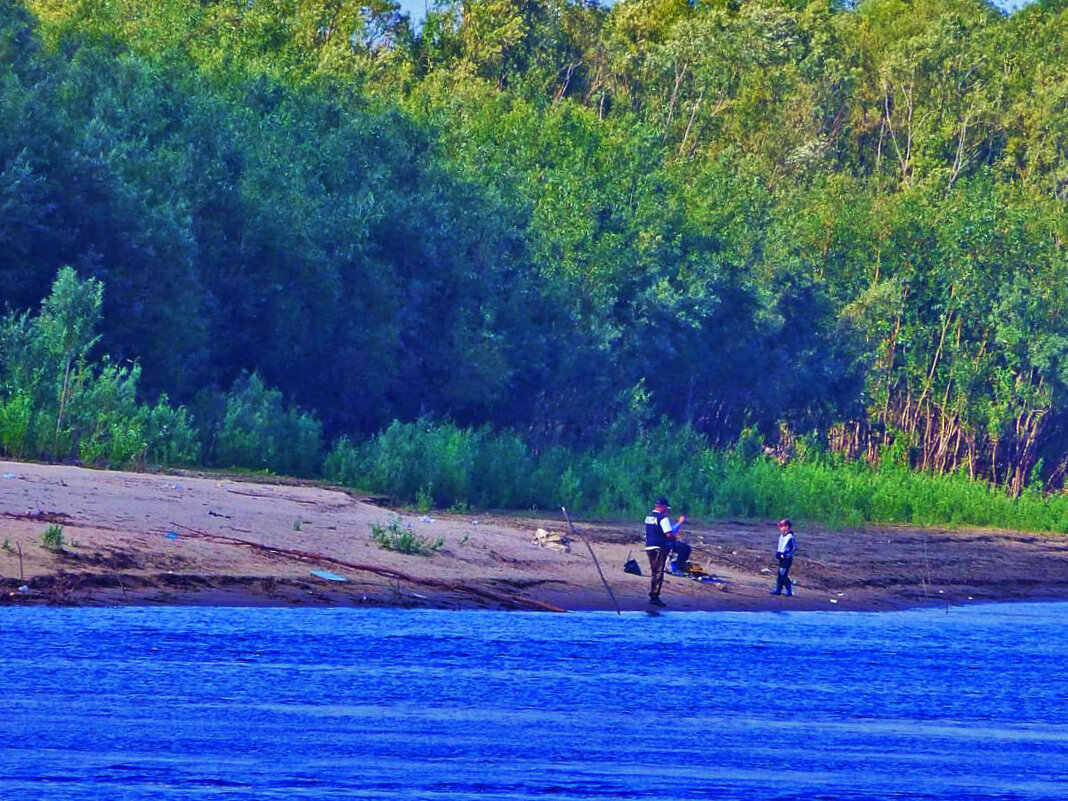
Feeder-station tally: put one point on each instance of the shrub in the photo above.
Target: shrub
(52, 539)
(56, 402)
(397, 537)
(344, 464)
(170, 437)
(440, 464)
(257, 432)
(16, 416)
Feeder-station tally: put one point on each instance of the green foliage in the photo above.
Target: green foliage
(750, 445)
(170, 436)
(257, 432)
(824, 229)
(740, 481)
(52, 539)
(396, 536)
(16, 418)
(56, 402)
(344, 464)
(436, 466)
(424, 499)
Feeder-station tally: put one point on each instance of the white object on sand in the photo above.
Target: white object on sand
(328, 576)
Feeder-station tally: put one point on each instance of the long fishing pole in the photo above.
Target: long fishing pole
(593, 556)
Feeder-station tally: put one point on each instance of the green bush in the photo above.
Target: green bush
(397, 537)
(170, 436)
(456, 468)
(257, 432)
(56, 402)
(52, 539)
(344, 464)
(439, 465)
(16, 419)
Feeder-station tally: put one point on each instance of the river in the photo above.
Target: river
(224, 703)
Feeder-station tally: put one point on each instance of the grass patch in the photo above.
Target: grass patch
(52, 539)
(396, 536)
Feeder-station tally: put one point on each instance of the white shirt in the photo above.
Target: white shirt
(784, 541)
(665, 523)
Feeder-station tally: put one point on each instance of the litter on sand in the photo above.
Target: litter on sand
(552, 539)
(328, 576)
(694, 572)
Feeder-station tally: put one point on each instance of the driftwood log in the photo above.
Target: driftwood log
(388, 572)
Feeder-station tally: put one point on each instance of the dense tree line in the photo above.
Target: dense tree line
(566, 220)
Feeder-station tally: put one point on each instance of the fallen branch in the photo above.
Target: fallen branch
(273, 497)
(251, 494)
(61, 518)
(388, 572)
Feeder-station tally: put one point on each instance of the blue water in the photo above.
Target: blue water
(183, 703)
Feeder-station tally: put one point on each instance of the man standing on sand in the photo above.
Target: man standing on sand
(660, 539)
(784, 552)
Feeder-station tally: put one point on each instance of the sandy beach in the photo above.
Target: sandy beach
(184, 538)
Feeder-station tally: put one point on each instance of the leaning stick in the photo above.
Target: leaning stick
(388, 572)
(593, 556)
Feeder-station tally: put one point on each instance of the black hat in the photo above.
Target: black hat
(663, 501)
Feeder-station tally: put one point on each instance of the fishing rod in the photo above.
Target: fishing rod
(593, 556)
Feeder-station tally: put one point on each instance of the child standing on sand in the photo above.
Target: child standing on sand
(784, 552)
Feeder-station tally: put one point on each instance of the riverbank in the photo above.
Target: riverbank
(183, 538)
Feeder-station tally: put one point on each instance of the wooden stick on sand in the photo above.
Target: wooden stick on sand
(388, 572)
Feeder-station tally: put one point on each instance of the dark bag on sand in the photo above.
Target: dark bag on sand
(631, 566)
